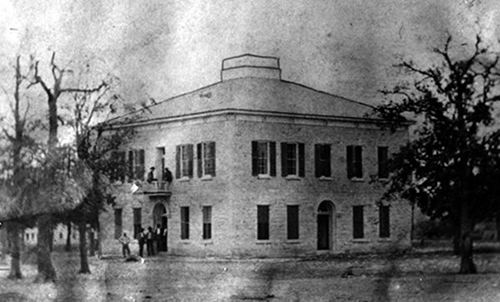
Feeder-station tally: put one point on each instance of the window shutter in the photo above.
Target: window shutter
(350, 159)
(317, 163)
(383, 169)
(328, 165)
(359, 161)
(142, 169)
(301, 160)
(190, 158)
(212, 147)
(199, 155)
(272, 158)
(284, 167)
(130, 169)
(254, 159)
(177, 161)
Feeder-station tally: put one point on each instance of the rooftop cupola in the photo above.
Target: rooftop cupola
(248, 65)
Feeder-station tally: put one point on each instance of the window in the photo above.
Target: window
(137, 222)
(292, 215)
(27, 236)
(184, 222)
(60, 235)
(384, 222)
(322, 160)
(184, 161)
(292, 159)
(263, 158)
(383, 162)
(118, 167)
(207, 222)
(354, 162)
(136, 164)
(206, 158)
(118, 223)
(357, 222)
(263, 222)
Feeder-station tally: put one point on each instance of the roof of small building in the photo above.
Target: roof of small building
(253, 88)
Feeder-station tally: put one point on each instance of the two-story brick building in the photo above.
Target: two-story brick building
(262, 167)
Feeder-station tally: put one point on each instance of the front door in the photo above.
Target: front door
(323, 232)
(160, 222)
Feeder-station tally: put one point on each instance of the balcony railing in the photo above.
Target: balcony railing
(156, 188)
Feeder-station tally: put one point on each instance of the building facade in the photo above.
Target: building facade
(262, 167)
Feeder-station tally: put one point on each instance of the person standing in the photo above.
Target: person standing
(149, 242)
(142, 241)
(167, 176)
(125, 241)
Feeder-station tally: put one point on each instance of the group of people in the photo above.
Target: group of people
(167, 175)
(154, 240)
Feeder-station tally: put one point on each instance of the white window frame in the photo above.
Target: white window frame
(205, 159)
(296, 174)
(267, 158)
(184, 166)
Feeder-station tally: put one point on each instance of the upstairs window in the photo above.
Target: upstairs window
(322, 160)
(118, 167)
(263, 158)
(358, 223)
(184, 161)
(206, 159)
(136, 164)
(383, 162)
(354, 162)
(384, 222)
(292, 159)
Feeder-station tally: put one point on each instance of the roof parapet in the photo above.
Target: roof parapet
(249, 65)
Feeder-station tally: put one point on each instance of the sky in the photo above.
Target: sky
(160, 49)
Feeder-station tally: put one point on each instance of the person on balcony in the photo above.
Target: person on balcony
(151, 175)
(167, 176)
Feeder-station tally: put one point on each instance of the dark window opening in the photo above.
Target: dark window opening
(207, 222)
(384, 222)
(262, 222)
(184, 222)
(292, 213)
(358, 222)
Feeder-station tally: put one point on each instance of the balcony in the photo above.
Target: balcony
(154, 188)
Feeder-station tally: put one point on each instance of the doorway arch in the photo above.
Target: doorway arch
(326, 225)
(160, 218)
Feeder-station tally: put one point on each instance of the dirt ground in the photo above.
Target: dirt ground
(428, 276)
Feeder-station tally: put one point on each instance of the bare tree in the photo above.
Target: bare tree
(46, 271)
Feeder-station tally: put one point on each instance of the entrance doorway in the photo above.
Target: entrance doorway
(160, 225)
(326, 223)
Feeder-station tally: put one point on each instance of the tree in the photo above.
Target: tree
(46, 271)
(94, 148)
(17, 141)
(450, 168)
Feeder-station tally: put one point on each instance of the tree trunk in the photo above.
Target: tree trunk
(46, 271)
(67, 248)
(98, 243)
(91, 243)
(14, 236)
(84, 261)
(466, 261)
